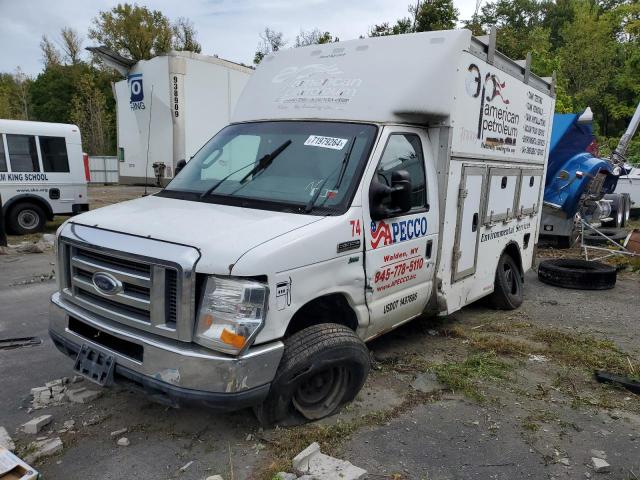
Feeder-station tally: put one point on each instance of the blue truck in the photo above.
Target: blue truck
(579, 183)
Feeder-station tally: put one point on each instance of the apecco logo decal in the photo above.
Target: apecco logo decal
(397, 232)
(298, 73)
(136, 90)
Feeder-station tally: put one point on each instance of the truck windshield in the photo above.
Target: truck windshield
(238, 165)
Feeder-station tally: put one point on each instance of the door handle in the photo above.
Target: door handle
(474, 223)
(429, 248)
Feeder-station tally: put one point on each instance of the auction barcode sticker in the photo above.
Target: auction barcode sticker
(326, 142)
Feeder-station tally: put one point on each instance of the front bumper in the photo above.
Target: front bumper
(170, 370)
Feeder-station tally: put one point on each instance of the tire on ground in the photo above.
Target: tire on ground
(508, 284)
(311, 354)
(25, 218)
(577, 274)
(591, 237)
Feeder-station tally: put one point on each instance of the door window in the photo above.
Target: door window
(3, 158)
(22, 153)
(404, 152)
(54, 154)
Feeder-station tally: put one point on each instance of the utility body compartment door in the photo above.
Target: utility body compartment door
(470, 195)
(400, 251)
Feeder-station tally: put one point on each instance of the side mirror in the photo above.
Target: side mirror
(180, 165)
(399, 195)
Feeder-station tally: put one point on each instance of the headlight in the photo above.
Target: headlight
(231, 314)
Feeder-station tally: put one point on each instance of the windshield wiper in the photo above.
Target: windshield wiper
(263, 163)
(343, 168)
(219, 182)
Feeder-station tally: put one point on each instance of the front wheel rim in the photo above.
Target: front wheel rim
(319, 395)
(28, 219)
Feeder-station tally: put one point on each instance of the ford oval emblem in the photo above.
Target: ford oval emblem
(106, 283)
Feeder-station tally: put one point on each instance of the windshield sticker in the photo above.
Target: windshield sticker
(326, 142)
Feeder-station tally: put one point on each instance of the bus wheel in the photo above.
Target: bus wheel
(26, 218)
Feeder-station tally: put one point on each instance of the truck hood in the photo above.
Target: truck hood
(221, 233)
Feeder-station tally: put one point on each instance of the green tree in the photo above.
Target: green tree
(314, 37)
(71, 45)
(435, 15)
(14, 99)
(133, 31)
(50, 54)
(90, 113)
(270, 42)
(403, 25)
(184, 36)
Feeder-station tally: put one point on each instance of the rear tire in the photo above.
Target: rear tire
(26, 218)
(508, 285)
(577, 274)
(627, 209)
(323, 367)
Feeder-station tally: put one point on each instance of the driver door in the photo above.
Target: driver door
(400, 250)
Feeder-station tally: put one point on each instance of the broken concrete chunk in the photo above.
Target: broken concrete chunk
(599, 465)
(185, 467)
(44, 448)
(117, 433)
(599, 454)
(54, 383)
(564, 461)
(38, 390)
(426, 383)
(6, 441)
(312, 462)
(214, 477)
(82, 395)
(77, 379)
(124, 442)
(35, 425)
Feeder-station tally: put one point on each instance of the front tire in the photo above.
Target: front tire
(508, 285)
(26, 218)
(323, 367)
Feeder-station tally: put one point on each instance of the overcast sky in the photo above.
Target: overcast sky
(228, 28)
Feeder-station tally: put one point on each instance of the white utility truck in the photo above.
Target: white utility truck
(168, 107)
(361, 184)
(43, 173)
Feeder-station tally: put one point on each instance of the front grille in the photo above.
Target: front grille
(148, 295)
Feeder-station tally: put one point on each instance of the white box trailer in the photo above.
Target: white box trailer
(167, 108)
(360, 185)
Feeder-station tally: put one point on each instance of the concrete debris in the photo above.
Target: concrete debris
(53, 393)
(29, 247)
(34, 426)
(312, 462)
(426, 383)
(77, 379)
(599, 465)
(537, 358)
(69, 424)
(49, 238)
(285, 476)
(124, 442)
(44, 448)
(117, 433)
(564, 461)
(6, 441)
(185, 467)
(82, 395)
(214, 477)
(599, 454)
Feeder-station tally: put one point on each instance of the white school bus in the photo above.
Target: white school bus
(43, 173)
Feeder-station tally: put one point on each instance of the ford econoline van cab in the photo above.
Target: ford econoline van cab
(42, 173)
(360, 185)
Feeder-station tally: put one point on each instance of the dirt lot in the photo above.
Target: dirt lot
(479, 394)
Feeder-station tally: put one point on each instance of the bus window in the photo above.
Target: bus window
(54, 154)
(23, 155)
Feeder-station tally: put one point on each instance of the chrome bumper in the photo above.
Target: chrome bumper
(179, 370)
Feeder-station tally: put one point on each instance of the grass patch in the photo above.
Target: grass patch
(502, 345)
(463, 377)
(583, 350)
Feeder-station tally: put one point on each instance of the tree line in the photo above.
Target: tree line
(592, 45)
